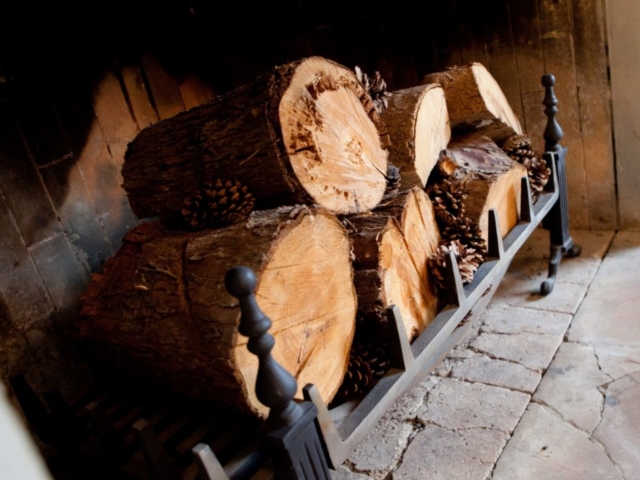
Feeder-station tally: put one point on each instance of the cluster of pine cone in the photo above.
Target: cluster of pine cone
(218, 204)
(519, 148)
(460, 234)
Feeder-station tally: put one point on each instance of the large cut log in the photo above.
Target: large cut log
(418, 125)
(307, 132)
(476, 102)
(391, 248)
(161, 307)
(489, 179)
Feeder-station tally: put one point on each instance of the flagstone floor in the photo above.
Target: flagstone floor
(542, 387)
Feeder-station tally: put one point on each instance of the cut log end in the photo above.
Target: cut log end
(490, 178)
(161, 308)
(418, 125)
(494, 98)
(433, 131)
(476, 102)
(402, 283)
(306, 289)
(504, 196)
(392, 246)
(335, 152)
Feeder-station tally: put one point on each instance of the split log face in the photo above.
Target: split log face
(476, 102)
(492, 179)
(418, 124)
(162, 309)
(391, 247)
(402, 284)
(414, 211)
(305, 133)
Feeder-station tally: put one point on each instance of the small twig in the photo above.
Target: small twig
(251, 156)
(153, 268)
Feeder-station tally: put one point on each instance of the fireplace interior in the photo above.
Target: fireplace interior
(79, 81)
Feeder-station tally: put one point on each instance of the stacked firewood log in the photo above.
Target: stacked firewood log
(344, 198)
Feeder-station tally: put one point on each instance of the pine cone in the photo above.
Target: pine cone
(448, 201)
(375, 87)
(377, 357)
(218, 204)
(367, 365)
(519, 148)
(357, 380)
(467, 232)
(393, 179)
(468, 262)
(539, 175)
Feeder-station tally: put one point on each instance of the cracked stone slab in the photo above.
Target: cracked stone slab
(608, 314)
(618, 361)
(343, 473)
(444, 368)
(406, 407)
(619, 430)
(458, 405)
(570, 386)
(460, 352)
(482, 369)
(545, 447)
(517, 290)
(532, 350)
(624, 252)
(502, 319)
(379, 453)
(439, 454)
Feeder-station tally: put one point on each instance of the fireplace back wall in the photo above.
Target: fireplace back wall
(70, 105)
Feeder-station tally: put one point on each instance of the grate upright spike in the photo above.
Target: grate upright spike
(454, 293)
(399, 347)
(526, 205)
(495, 247)
(209, 467)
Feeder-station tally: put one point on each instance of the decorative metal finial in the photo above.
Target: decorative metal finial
(275, 387)
(552, 133)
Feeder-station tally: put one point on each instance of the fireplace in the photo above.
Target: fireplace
(70, 105)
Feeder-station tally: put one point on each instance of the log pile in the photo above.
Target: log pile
(343, 197)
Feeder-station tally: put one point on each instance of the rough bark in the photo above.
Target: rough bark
(161, 307)
(476, 102)
(300, 134)
(490, 177)
(418, 125)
